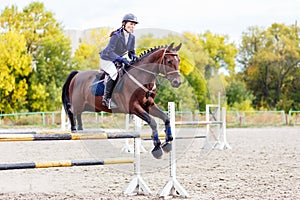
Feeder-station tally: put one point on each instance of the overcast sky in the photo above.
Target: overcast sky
(226, 17)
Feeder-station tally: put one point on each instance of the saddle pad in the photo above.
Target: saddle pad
(97, 88)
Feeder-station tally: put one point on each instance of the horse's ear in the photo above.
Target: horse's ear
(170, 47)
(178, 47)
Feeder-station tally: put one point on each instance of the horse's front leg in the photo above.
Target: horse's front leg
(141, 113)
(79, 121)
(156, 112)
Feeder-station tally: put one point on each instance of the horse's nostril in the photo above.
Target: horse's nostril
(176, 83)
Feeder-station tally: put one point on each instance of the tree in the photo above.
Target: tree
(270, 58)
(15, 65)
(50, 51)
(238, 97)
(52, 67)
(212, 52)
(87, 54)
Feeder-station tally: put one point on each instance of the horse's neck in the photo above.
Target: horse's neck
(150, 63)
(144, 73)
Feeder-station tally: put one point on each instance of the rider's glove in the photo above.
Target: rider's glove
(125, 61)
(134, 58)
(121, 60)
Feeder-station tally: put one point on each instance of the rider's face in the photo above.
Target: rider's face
(129, 26)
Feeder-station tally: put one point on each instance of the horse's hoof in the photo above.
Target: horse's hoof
(73, 131)
(169, 138)
(167, 147)
(157, 152)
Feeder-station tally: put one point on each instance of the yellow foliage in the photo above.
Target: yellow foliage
(15, 65)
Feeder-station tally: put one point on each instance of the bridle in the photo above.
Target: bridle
(164, 65)
(161, 64)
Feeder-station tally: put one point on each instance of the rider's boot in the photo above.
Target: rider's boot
(109, 86)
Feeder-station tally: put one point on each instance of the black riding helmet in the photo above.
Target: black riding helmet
(130, 18)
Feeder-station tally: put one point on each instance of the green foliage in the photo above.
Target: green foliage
(197, 82)
(238, 97)
(271, 59)
(166, 93)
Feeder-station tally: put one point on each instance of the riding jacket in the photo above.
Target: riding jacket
(117, 47)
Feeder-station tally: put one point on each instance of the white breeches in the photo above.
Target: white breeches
(110, 68)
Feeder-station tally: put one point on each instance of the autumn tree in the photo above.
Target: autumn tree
(87, 56)
(15, 65)
(270, 60)
(49, 49)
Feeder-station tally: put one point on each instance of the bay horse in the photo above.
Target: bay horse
(134, 93)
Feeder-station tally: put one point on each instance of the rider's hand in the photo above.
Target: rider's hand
(134, 58)
(125, 61)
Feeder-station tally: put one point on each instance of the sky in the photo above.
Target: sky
(224, 17)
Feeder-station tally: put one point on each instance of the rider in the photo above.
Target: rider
(121, 45)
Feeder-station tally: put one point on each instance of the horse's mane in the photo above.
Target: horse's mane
(150, 51)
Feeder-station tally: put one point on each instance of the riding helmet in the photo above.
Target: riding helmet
(130, 18)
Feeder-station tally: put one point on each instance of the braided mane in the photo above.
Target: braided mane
(149, 51)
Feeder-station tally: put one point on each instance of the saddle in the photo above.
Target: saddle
(98, 86)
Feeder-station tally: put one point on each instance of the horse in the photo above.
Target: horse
(134, 92)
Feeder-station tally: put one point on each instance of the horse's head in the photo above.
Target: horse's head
(169, 64)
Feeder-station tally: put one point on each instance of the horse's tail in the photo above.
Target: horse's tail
(65, 91)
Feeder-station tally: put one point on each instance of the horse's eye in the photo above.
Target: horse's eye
(169, 61)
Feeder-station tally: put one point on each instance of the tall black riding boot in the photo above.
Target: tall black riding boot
(109, 86)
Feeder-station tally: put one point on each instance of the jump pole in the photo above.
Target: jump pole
(173, 187)
(66, 163)
(74, 136)
(137, 185)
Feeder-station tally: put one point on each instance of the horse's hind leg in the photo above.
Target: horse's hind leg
(79, 121)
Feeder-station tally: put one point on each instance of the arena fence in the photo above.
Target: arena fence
(100, 120)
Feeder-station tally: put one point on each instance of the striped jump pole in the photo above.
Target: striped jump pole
(51, 132)
(73, 136)
(14, 137)
(67, 163)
